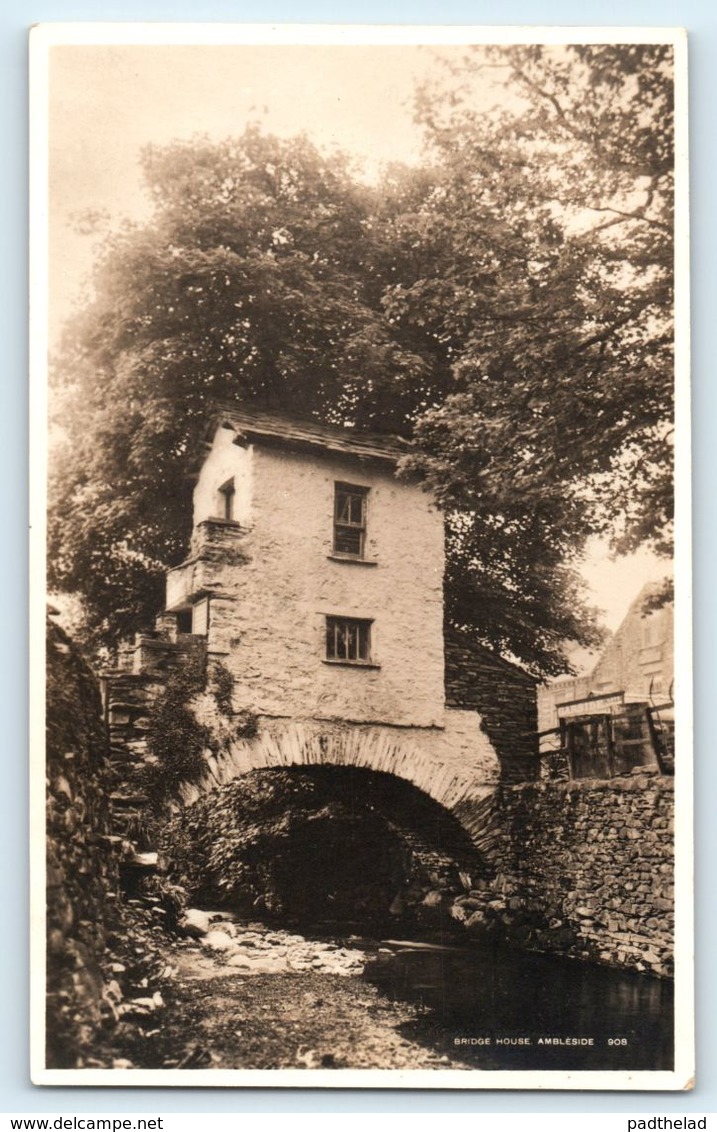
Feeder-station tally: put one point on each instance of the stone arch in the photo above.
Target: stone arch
(469, 798)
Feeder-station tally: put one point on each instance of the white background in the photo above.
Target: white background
(16, 1092)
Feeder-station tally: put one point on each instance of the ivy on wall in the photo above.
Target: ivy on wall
(179, 735)
(176, 740)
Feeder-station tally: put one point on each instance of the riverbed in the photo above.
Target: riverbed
(249, 995)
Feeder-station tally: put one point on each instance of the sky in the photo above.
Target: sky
(108, 101)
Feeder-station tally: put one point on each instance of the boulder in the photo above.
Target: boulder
(194, 923)
(218, 941)
(432, 899)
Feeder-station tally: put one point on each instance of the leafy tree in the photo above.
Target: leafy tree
(247, 284)
(508, 305)
(552, 239)
(550, 234)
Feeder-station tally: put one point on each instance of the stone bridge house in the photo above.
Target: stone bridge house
(315, 579)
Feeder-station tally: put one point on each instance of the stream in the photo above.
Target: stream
(246, 994)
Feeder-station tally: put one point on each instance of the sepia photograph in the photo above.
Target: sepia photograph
(361, 675)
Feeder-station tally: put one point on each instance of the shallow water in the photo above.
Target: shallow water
(530, 1011)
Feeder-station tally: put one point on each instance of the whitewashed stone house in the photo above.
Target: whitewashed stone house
(315, 577)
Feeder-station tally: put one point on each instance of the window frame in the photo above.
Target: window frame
(227, 492)
(360, 648)
(343, 527)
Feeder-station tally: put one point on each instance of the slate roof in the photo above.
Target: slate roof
(297, 434)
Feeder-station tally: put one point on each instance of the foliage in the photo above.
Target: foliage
(508, 305)
(553, 293)
(176, 740)
(552, 233)
(184, 725)
(221, 682)
(165, 900)
(246, 285)
(224, 846)
(246, 724)
(308, 841)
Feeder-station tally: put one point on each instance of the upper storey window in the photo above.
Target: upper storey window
(350, 519)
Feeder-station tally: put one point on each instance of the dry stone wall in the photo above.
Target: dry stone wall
(583, 869)
(82, 870)
(102, 960)
(504, 697)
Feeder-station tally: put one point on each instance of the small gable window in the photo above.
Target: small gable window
(350, 520)
(226, 498)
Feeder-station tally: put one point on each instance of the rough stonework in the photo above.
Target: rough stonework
(82, 869)
(447, 765)
(503, 695)
(107, 905)
(583, 869)
(272, 579)
(266, 576)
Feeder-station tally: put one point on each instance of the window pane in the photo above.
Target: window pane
(343, 507)
(356, 509)
(348, 639)
(349, 520)
(348, 540)
(343, 641)
(363, 641)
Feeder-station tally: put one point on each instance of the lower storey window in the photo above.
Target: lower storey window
(348, 639)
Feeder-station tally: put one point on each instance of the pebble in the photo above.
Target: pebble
(249, 950)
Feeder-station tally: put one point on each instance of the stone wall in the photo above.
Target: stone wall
(82, 869)
(504, 697)
(107, 907)
(449, 765)
(279, 580)
(583, 869)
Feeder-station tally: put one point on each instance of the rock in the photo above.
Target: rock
(143, 860)
(432, 899)
(218, 941)
(135, 1009)
(472, 903)
(309, 1058)
(195, 923)
(114, 991)
(224, 926)
(475, 920)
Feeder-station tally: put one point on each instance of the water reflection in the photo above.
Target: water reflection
(511, 1010)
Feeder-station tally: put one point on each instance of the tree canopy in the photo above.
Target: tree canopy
(507, 305)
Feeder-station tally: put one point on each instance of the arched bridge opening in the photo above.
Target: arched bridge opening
(336, 847)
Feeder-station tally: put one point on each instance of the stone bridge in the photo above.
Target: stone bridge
(487, 736)
(464, 789)
(579, 868)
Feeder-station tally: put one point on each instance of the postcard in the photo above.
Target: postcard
(361, 740)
